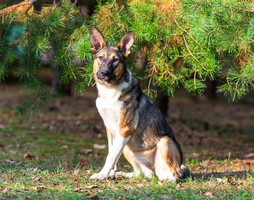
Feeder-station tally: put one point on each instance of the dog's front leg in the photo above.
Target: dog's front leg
(110, 138)
(113, 155)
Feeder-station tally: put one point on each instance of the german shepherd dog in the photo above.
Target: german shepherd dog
(134, 124)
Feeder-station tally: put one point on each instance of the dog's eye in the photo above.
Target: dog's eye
(115, 60)
(100, 58)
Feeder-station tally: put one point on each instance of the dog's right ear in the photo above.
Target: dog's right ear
(96, 40)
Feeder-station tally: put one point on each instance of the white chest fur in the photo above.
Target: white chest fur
(109, 106)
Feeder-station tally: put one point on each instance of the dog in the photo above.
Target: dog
(134, 124)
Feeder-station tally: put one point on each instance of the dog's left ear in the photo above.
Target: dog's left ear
(126, 42)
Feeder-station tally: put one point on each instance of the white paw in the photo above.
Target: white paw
(99, 175)
(112, 174)
(125, 175)
(168, 178)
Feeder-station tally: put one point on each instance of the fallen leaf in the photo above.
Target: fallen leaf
(64, 147)
(87, 151)
(64, 142)
(5, 190)
(99, 146)
(35, 170)
(28, 156)
(249, 163)
(76, 171)
(124, 198)
(39, 188)
(37, 178)
(249, 155)
(109, 179)
(127, 166)
(19, 163)
(209, 194)
(91, 195)
(77, 190)
(88, 172)
(10, 161)
(13, 152)
(219, 180)
(78, 122)
(77, 180)
(160, 183)
(195, 155)
(91, 186)
(229, 180)
(205, 163)
(83, 162)
(65, 164)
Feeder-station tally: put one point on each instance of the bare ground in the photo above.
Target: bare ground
(217, 137)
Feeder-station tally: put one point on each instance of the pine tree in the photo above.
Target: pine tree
(185, 42)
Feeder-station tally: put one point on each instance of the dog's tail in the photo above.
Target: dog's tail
(185, 172)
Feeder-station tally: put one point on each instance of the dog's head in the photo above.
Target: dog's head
(108, 64)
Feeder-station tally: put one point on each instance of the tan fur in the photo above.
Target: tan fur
(119, 70)
(164, 159)
(113, 54)
(127, 123)
(168, 158)
(96, 67)
(142, 162)
(128, 154)
(107, 132)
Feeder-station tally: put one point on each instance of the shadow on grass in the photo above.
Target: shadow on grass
(206, 176)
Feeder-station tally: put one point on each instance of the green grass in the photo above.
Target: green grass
(58, 168)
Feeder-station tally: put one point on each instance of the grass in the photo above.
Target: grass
(52, 156)
(41, 165)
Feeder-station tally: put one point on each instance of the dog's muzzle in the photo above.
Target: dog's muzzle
(105, 75)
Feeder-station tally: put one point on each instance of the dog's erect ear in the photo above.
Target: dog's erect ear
(126, 42)
(96, 40)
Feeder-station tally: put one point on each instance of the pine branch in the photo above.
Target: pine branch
(150, 80)
(226, 6)
(124, 4)
(31, 5)
(185, 42)
(12, 8)
(186, 31)
(58, 2)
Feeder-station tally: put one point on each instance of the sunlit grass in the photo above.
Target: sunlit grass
(42, 165)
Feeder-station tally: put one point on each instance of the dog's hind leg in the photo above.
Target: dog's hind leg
(167, 160)
(142, 162)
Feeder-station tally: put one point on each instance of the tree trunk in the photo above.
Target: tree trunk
(162, 102)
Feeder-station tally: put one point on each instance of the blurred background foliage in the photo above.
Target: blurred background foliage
(178, 43)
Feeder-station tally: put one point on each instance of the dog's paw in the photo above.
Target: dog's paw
(99, 175)
(112, 174)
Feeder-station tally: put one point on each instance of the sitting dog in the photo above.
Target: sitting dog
(134, 124)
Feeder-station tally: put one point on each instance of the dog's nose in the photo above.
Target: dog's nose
(104, 72)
